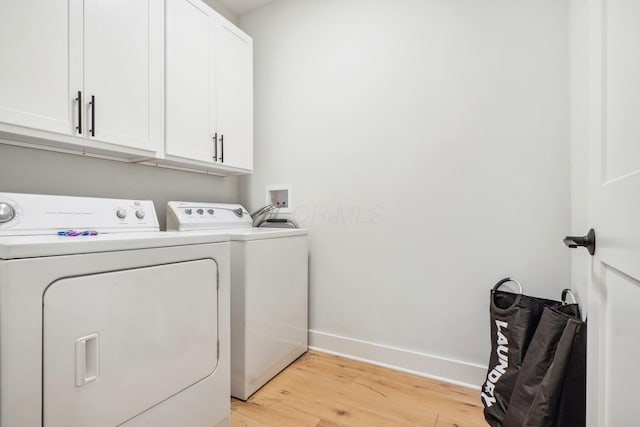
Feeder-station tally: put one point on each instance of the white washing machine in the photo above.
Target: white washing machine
(269, 289)
(126, 327)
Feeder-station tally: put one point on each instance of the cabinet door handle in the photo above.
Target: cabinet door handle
(79, 101)
(215, 147)
(222, 148)
(93, 115)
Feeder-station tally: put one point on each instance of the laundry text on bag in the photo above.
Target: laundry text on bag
(503, 362)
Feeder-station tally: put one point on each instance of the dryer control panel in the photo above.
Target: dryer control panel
(36, 214)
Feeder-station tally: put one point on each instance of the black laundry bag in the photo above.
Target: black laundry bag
(551, 386)
(572, 409)
(514, 320)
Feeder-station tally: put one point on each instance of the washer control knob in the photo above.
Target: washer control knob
(7, 213)
(188, 211)
(121, 213)
(140, 214)
(210, 211)
(200, 211)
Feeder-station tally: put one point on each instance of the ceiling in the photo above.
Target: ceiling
(243, 6)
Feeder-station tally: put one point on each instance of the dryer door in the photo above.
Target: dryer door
(118, 343)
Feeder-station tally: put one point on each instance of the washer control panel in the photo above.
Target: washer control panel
(35, 214)
(185, 216)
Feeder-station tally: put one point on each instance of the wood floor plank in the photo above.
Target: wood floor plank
(239, 420)
(341, 414)
(264, 400)
(322, 390)
(312, 365)
(279, 414)
(444, 421)
(399, 407)
(432, 399)
(298, 384)
(325, 423)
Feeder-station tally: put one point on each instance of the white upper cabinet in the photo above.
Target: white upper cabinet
(41, 65)
(162, 81)
(190, 76)
(123, 63)
(85, 74)
(209, 89)
(234, 82)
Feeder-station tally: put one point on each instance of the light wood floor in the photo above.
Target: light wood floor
(321, 390)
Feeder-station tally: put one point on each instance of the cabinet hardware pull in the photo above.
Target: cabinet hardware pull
(222, 148)
(215, 147)
(79, 101)
(93, 115)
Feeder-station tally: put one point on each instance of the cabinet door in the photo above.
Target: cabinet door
(123, 54)
(234, 62)
(40, 75)
(190, 85)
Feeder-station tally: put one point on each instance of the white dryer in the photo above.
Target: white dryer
(269, 289)
(112, 324)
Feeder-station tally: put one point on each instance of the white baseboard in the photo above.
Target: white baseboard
(425, 365)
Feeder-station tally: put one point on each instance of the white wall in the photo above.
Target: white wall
(578, 30)
(427, 143)
(25, 170)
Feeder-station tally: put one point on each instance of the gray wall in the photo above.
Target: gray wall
(26, 170)
(427, 143)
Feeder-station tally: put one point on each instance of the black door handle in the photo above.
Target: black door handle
(92, 131)
(215, 147)
(588, 241)
(80, 106)
(221, 148)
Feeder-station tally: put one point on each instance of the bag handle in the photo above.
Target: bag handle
(509, 279)
(566, 292)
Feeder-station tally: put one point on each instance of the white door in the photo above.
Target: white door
(614, 212)
(123, 54)
(190, 96)
(234, 61)
(41, 63)
(116, 344)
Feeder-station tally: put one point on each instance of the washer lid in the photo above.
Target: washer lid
(254, 233)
